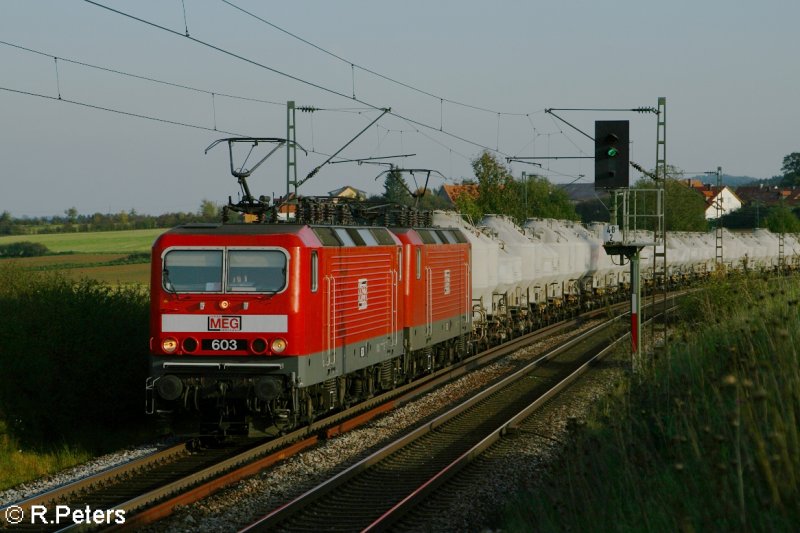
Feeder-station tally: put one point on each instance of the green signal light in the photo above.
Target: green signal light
(612, 152)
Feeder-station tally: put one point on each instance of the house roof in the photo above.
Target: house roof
(769, 195)
(453, 192)
(710, 192)
(348, 192)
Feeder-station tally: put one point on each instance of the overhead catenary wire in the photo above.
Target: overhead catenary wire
(354, 65)
(290, 76)
(213, 95)
(120, 112)
(140, 77)
(136, 115)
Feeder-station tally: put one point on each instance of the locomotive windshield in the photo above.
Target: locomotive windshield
(244, 271)
(256, 271)
(193, 271)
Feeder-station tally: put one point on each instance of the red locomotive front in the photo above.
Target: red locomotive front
(261, 321)
(225, 305)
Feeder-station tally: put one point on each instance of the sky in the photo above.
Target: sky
(460, 76)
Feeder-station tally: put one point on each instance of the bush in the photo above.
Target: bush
(23, 249)
(73, 356)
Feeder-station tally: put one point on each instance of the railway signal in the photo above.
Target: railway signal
(611, 155)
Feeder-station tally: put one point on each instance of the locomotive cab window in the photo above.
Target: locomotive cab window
(256, 271)
(192, 271)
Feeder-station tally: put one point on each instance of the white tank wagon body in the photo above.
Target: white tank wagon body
(524, 277)
(537, 261)
(573, 252)
(606, 273)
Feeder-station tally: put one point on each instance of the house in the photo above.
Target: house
(769, 196)
(450, 193)
(724, 197)
(348, 192)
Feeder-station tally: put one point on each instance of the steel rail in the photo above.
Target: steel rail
(320, 491)
(153, 506)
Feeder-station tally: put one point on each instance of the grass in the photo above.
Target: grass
(74, 359)
(113, 269)
(135, 274)
(709, 439)
(93, 242)
(18, 465)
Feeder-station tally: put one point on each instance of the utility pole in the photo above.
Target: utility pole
(660, 274)
(718, 221)
(291, 149)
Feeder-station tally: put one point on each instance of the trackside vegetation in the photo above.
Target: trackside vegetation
(73, 359)
(707, 440)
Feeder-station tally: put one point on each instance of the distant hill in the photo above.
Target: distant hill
(768, 182)
(730, 181)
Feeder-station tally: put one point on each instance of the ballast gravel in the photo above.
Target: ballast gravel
(70, 475)
(234, 507)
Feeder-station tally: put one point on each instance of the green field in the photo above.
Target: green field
(91, 255)
(110, 242)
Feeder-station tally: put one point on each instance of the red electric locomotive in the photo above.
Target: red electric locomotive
(281, 318)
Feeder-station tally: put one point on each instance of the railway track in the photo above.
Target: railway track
(149, 488)
(376, 492)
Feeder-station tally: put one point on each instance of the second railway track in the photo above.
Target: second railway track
(377, 491)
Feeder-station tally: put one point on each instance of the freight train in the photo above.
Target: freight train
(319, 303)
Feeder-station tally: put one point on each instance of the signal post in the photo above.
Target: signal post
(612, 162)
(631, 252)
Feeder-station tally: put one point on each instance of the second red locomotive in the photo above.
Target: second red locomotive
(276, 323)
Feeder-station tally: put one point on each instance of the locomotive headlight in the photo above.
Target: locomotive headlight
(189, 344)
(258, 345)
(278, 345)
(169, 345)
(224, 304)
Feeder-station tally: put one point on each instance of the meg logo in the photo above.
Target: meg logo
(224, 323)
(362, 294)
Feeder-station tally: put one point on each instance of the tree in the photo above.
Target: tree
(72, 214)
(394, 189)
(684, 209)
(791, 170)
(781, 220)
(497, 193)
(5, 223)
(209, 211)
(500, 194)
(466, 205)
(542, 199)
(746, 217)
(431, 200)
